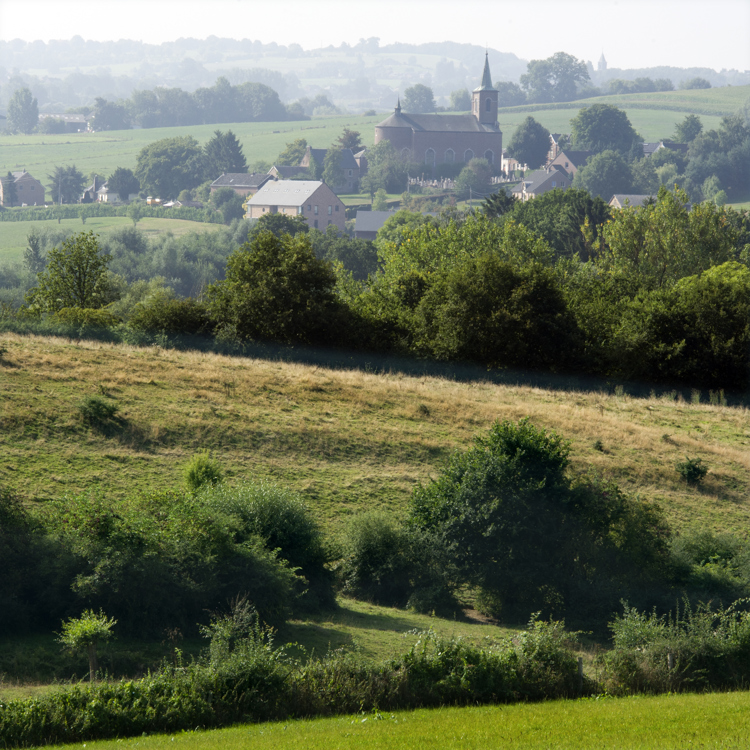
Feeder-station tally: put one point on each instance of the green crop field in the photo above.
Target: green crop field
(717, 720)
(13, 233)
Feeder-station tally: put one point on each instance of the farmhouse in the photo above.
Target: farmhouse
(28, 191)
(350, 170)
(571, 161)
(447, 139)
(541, 181)
(621, 200)
(311, 199)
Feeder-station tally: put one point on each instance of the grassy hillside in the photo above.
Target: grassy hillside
(347, 439)
(104, 152)
(13, 234)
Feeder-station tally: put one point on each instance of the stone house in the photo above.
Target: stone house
(541, 181)
(311, 199)
(29, 191)
(242, 184)
(433, 139)
(347, 163)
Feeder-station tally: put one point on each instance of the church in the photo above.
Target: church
(449, 139)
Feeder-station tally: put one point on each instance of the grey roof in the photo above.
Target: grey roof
(284, 171)
(232, 179)
(371, 221)
(538, 179)
(436, 123)
(631, 200)
(285, 192)
(577, 158)
(347, 157)
(650, 148)
(486, 84)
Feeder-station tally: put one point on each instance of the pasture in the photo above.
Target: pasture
(349, 432)
(716, 720)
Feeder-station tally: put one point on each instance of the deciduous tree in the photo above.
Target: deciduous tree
(602, 127)
(23, 112)
(66, 184)
(166, 167)
(418, 98)
(554, 79)
(530, 143)
(123, 182)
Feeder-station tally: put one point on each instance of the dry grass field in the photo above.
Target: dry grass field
(347, 439)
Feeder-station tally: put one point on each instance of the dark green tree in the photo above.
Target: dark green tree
(10, 194)
(555, 79)
(223, 155)
(418, 98)
(292, 155)
(602, 127)
(604, 175)
(333, 174)
(350, 139)
(498, 204)
(66, 184)
(23, 112)
(276, 290)
(385, 169)
(164, 168)
(474, 179)
(281, 224)
(695, 83)
(688, 130)
(123, 182)
(530, 143)
(75, 276)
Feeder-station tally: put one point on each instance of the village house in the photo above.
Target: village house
(571, 161)
(28, 191)
(541, 181)
(311, 199)
(621, 200)
(105, 195)
(242, 184)
(347, 163)
(73, 123)
(433, 139)
(284, 172)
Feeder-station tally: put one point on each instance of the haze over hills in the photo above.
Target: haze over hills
(74, 72)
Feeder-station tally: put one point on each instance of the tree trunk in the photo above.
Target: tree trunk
(92, 662)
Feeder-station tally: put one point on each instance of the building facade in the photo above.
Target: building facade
(432, 139)
(311, 199)
(25, 190)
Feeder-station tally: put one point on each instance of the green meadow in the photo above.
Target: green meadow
(717, 720)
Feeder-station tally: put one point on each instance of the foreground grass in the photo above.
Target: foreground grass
(13, 234)
(665, 722)
(347, 439)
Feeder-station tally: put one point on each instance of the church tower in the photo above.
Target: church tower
(484, 99)
(602, 64)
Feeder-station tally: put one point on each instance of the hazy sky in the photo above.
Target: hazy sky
(631, 33)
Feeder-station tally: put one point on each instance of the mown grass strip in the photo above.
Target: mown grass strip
(716, 720)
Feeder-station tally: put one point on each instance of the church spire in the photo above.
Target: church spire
(486, 84)
(398, 105)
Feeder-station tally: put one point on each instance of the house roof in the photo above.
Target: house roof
(232, 179)
(65, 118)
(345, 162)
(286, 172)
(632, 200)
(577, 158)
(436, 123)
(285, 193)
(538, 179)
(371, 221)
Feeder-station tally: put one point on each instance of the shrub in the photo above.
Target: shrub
(281, 519)
(86, 316)
(175, 316)
(202, 470)
(692, 470)
(86, 632)
(97, 411)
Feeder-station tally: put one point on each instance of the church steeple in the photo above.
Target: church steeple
(398, 106)
(484, 98)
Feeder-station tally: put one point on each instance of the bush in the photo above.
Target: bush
(202, 470)
(86, 317)
(280, 518)
(692, 470)
(174, 316)
(97, 411)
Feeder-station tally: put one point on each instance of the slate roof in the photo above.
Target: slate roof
(347, 157)
(371, 221)
(540, 177)
(486, 84)
(632, 200)
(287, 172)
(436, 123)
(285, 193)
(241, 180)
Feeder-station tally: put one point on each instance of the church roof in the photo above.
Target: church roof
(486, 84)
(436, 123)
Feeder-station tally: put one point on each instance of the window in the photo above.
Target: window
(468, 155)
(554, 184)
(429, 157)
(329, 223)
(336, 207)
(350, 173)
(450, 156)
(488, 105)
(309, 207)
(315, 224)
(490, 156)
(300, 209)
(316, 210)
(330, 210)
